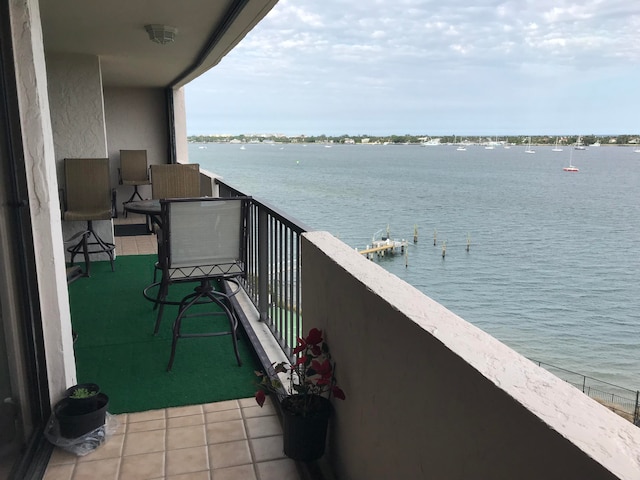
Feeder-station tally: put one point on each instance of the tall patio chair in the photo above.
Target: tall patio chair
(88, 197)
(175, 180)
(203, 240)
(133, 171)
(179, 180)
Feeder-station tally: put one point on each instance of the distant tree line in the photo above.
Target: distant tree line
(417, 139)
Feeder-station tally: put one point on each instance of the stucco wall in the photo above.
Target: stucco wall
(136, 119)
(431, 396)
(40, 162)
(77, 118)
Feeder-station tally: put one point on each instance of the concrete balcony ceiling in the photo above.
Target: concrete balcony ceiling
(115, 32)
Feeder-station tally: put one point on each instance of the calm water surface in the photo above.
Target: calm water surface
(554, 260)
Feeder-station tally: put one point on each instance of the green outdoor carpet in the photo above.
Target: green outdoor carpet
(116, 348)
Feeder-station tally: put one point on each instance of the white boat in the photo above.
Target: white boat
(579, 145)
(432, 142)
(529, 150)
(595, 144)
(556, 148)
(461, 148)
(571, 167)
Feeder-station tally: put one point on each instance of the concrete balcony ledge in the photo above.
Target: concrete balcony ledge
(430, 395)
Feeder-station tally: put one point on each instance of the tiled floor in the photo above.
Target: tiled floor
(232, 440)
(141, 245)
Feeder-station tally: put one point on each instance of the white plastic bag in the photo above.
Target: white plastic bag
(86, 443)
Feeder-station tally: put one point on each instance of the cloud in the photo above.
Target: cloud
(405, 56)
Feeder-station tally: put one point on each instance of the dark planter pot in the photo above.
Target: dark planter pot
(85, 404)
(305, 436)
(74, 422)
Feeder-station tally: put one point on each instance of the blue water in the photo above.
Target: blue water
(554, 259)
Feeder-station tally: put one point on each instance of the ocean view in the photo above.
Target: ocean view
(554, 256)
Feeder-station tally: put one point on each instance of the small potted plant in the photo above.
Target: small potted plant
(305, 404)
(83, 397)
(82, 410)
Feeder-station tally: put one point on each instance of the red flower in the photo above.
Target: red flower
(323, 369)
(301, 346)
(260, 397)
(337, 392)
(314, 337)
(301, 360)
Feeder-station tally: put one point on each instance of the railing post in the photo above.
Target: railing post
(263, 265)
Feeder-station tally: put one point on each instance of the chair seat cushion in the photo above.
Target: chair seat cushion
(85, 215)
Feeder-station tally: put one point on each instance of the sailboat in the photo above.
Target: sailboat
(556, 148)
(570, 168)
(579, 144)
(528, 150)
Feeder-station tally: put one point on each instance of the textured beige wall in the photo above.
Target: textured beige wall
(136, 120)
(77, 118)
(431, 396)
(40, 162)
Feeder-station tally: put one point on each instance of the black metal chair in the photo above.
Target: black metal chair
(202, 240)
(87, 198)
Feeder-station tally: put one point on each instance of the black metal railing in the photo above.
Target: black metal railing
(273, 268)
(623, 401)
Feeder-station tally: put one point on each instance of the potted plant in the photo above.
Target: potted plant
(83, 397)
(305, 404)
(82, 410)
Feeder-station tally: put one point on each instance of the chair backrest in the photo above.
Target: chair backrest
(205, 236)
(133, 166)
(175, 180)
(87, 189)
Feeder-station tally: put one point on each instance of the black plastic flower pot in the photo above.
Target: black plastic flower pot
(74, 422)
(84, 404)
(305, 436)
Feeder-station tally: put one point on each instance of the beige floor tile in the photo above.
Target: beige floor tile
(218, 406)
(59, 472)
(118, 423)
(267, 448)
(230, 454)
(223, 432)
(186, 421)
(206, 475)
(251, 402)
(187, 460)
(145, 416)
(145, 466)
(61, 457)
(103, 469)
(223, 416)
(278, 470)
(112, 448)
(144, 442)
(263, 426)
(183, 437)
(184, 411)
(258, 411)
(243, 472)
(147, 426)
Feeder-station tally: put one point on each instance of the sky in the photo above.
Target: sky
(446, 67)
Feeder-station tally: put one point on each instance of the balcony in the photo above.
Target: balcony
(428, 394)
